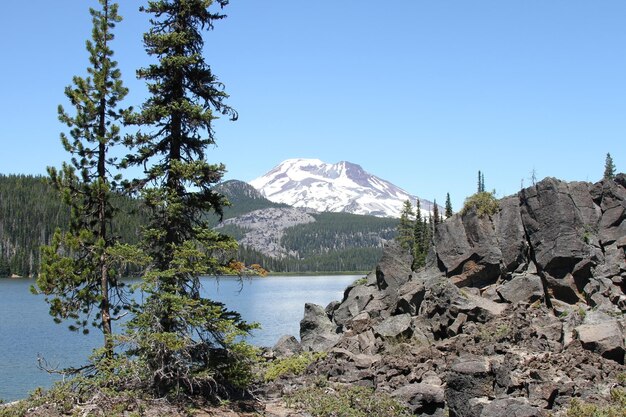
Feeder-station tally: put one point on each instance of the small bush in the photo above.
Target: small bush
(345, 401)
(616, 408)
(292, 365)
(360, 281)
(484, 203)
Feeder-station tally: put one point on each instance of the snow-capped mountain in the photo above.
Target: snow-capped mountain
(340, 187)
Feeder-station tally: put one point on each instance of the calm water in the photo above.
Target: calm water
(27, 331)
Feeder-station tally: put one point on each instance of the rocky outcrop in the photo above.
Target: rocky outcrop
(516, 314)
(317, 332)
(265, 228)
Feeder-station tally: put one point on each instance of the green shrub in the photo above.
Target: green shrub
(616, 408)
(360, 281)
(484, 203)
(292, 365)
(345, 401)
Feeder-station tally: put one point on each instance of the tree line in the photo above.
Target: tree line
(341, 260)
(338, 231)
(30, 212)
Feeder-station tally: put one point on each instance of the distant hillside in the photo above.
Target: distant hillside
(30, 212)
(277, 236)
(243, 198)
(299, 240)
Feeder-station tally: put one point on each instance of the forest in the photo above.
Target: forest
(31, 210)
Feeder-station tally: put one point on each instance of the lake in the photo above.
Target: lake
(27, 330)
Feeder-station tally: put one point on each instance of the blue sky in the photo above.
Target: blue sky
(421, 93)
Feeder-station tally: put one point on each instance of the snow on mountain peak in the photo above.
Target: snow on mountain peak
(340, 187)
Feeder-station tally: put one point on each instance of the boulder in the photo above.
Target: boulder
(393, 269)
(477, 308)
(359, 323)
(511, 407)
(547, 327)
(556, 215)
(422, 398)
(605, 338)
(467, 248)
(317, 332)
(563, 289)
(452, 246)
(394, 327)
(355, 300)
(410, 297)
(468, 378)
(525, 288)
(456, 326)
(611, 196)
(287, 346)
(510, 233)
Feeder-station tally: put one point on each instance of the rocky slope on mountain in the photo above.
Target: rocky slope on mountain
(284, 238)
(265, 228)
(340, 187)
(515, 314)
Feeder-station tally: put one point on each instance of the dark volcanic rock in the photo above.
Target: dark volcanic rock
(468, 378)
(556, 216)
(611, 196)
(511, 407)
(510, 233)
(287, 346)
(422, 398)
(317, 332)
(526, 288)
(467, 247)
(394, 268)
(605, 338)
(394, 327)
(514, 314)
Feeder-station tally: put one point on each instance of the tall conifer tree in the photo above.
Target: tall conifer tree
(405, 227)
(76, 272)
(609, 168)
(419, 245)
(178, 331)
(436, 217)
(448, 206)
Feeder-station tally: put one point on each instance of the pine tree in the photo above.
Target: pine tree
(419, 245)
(436, 217)
(480, 182)
(77, 272)
(609, 168)
(5, 267)
(429, 232)
(448, 206)
(405, 227)
(177, 331)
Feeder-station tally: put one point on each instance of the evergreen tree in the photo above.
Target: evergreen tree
(5, 267)
(177, 331)
(419, 245)
(609, 168)
(436, 217)
(405, 227)
(76, 271)
(429, 231)
(481, 182)
(448, 206)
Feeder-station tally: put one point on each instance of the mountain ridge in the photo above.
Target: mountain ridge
(340, 187)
